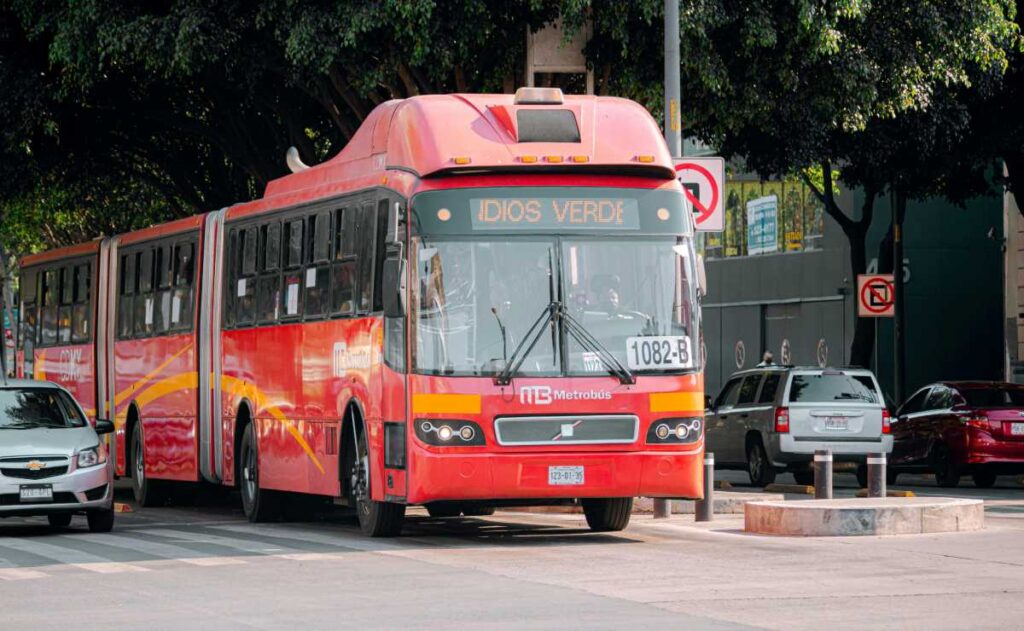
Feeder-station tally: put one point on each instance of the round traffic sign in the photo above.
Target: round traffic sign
(705, 211)
(877, 295)
(741, 354)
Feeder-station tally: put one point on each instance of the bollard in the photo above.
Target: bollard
(823, 474)
(705, 508)
(662, 508)
(876, 475)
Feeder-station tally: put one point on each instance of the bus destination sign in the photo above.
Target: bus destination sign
(554, 213)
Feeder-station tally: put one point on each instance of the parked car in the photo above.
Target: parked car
(771, 419)
(52, 461)
(954, 428)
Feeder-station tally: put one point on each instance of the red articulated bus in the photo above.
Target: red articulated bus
(483, 300)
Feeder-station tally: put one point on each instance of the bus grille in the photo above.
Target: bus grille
(566, 430)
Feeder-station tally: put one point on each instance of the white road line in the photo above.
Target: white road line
(110, 567)
(56, 553)
(162, 550)
(213, 561)
(202, 537)
(19, 574)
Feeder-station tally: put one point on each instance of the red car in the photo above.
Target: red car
(960, 427)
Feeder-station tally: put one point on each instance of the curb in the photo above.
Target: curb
(799, 489)
(864, 493)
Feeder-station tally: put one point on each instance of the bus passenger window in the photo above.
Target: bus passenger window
(67, 289)
(125, 306)
(292, 295)
(268, 298)
(367, 229)
(293, 241)
(144, 304)
(48, 333)
(318, 290)
(343, 284)
(182, 297)
(249, 251)
(81, 311)
(320, 237)
(271, 240)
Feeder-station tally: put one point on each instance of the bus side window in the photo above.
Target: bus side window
(245, 285)
(183, 296)
(268, 285)
(316, 281)
(48, 332)
(292, 278)
(367, 231)
(231, 278)
(343, 270)
(162, 295)
(29, 319)
(81, 311)
(144, 293)
(379, 254)
(67, 290)
(125, 306)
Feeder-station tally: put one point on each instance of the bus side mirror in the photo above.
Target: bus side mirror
(702, 276)
(394, 287)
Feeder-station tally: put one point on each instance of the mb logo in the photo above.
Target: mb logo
(535, 395)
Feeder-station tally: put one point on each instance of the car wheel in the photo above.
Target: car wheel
(478, 511)
(862, 476)
(984, 478)
(760, 470)
(148, 493)
(804, 478)
(101, 520)
(59, 520)
(441, 510)
(258, 504)
(947, 474)
(608, 515)
(376, 519)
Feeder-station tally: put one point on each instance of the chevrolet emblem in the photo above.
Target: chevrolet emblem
(35, 465)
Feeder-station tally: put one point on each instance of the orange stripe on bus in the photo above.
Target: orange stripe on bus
(677, 402)
(446, 403)
(127, 392)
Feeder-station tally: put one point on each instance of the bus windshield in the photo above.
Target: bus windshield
(477, 295)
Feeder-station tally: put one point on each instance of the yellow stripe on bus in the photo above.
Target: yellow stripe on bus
(127, 392)
(677, 402)
(446, 404)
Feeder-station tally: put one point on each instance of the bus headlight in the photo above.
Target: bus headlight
(675, 431)
(449, 433)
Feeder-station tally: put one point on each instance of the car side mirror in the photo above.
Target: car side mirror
(103, 426)
(394, 287)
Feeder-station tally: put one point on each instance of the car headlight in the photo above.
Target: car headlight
(675, 431)
(92, 457)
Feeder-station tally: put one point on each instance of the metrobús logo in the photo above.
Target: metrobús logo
(546, 395)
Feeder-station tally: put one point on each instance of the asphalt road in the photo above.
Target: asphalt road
(205, 567)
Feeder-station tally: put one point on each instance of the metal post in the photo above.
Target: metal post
(705, 508)
(899, 351)
(876, 475)
(673, 132)
(823, 474)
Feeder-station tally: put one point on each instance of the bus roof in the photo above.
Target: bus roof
(58, 254)
(479, 133)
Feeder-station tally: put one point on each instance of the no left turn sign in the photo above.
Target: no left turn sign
(703, 181)
(876, 296)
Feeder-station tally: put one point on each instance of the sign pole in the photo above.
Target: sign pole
(899, 355)
(673, 133)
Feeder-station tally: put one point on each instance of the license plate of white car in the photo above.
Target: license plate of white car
(836, 423)
(37, 493)
(565, 476)
(1017, 429)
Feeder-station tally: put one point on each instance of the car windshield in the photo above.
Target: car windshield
(30, 408)
(995, 397)
(831, 387)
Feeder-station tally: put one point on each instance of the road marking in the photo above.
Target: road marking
(245, 546)
(162, 550)
(19, 574)
(213, 561)
(310, 556)
(56, 553)
(107, 567)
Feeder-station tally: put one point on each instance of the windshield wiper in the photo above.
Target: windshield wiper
(529, 340)
(20, 426)
(585, 339)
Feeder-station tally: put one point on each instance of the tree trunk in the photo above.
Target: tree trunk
(863, 344)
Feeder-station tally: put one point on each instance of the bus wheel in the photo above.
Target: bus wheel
(147, 492)
(607, 515)
(257, 504)
(376, 519)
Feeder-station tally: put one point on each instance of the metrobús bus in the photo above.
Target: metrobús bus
(483, 300)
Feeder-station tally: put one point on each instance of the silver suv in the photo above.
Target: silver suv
(773, 418)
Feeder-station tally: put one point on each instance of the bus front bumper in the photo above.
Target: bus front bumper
(510, 476)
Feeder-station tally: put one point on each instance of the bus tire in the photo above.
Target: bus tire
(376, 519)
(608, 514)
(258, 504)
(148, 493)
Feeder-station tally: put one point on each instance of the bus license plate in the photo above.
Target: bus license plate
(37, 493)
(565, 476)
(1017, 429)
(659, 351)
